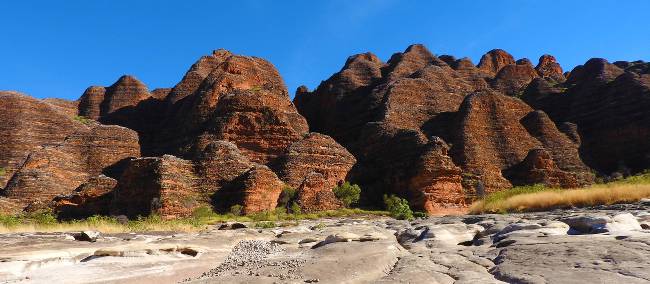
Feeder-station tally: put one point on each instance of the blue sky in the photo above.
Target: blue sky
(58, 48)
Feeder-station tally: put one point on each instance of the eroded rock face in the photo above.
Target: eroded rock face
(438, 181)
(162, 185)
(493, 61)
(241, 99)
(94, 197)
(315, 165)
(59, 168)
(597, 90)
(99, 101)
(259, 189)
(316, 153)
(538, 167)
(392, 120)
(25, 124)
(548, 67)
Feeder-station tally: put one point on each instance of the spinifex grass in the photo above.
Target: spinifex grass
(540, 198)
(45, 222)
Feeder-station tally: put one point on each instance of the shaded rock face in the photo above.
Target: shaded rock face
(538, 167)
(94, 197)
(395, 118)
(608, 103)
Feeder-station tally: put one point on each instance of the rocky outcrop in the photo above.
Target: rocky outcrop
(548, 67)
(60, 168)
(94, 197)
(395, 117)
(539, 168)
(25, 124)
(315, 165)
(259, 189)
(162, 185)
(493, 61)
(437, 184)
(512, 79)
(315, 194)
(241, 99)
(600, 90)
(99, 101)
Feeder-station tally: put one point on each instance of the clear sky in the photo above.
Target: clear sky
(58, 48)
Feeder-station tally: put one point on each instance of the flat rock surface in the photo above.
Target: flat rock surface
(514, 248)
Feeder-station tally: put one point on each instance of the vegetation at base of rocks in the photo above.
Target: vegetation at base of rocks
(237, 210)
(82, 119)
(398, 208)
(295, 208)
(287, 195)
(348, 193)
(3, 171)
(420, 214)
(265, 225)
(201, 218)
(541, 198)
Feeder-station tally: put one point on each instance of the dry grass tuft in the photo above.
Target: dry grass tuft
(541, 199)
(46, 222)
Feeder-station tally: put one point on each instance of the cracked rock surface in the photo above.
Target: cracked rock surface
(605, 244)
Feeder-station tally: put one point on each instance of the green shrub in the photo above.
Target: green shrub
(237, 210)
(265, 225)
(398, 208)
(10, 221)
(348, 193)
(42, 218)
(419, 215)
(287, 195)
(295, 208)
(202, 212)
(3, 171)
(82, 119)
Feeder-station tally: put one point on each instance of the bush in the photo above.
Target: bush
(288, 194)
(295, 208)
(265, 225)
(348, 193)
(419, 215)
(83, 119)
(237, 210)
(3, 171)
(398, 208)
(202, 212)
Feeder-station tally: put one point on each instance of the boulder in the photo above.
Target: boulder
(259, 189)
(162, 185)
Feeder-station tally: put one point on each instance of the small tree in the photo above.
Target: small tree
(287, 195)
(398, 207)
(348, 193)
